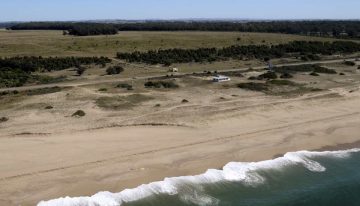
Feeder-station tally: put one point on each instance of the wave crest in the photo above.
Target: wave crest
(246, 173)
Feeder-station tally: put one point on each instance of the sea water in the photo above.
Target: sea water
(297, 179)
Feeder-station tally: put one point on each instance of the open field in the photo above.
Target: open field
(53, 43)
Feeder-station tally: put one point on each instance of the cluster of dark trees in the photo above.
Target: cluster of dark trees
(340, 29)
(321, 28)
(77, 29)
(170, 56)
(16, 71)
(32, 64)
(304, 68)
(6, 24)
(92, 29)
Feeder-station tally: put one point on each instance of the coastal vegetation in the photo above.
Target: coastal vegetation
(125, 86)
(304, 68)
(4, 119)
(43, 91)
(170, 56)
(32, 63)
(121, 102)
(114, 70)
(17, 71)
(79, 113)
(349, 63)
(161, 84)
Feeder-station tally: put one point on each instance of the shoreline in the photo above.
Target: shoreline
(337, 148)
(150, 166)
(340, 147)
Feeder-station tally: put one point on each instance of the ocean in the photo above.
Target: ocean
(297, 179)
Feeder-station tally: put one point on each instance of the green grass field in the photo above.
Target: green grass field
(53, 43)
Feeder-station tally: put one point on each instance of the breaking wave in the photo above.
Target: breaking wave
(245, 173)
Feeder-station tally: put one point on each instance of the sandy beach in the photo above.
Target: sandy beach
(47, 156)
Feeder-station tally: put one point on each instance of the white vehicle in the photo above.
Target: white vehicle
(174, 70)
(221, 78)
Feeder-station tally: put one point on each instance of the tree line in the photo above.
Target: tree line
(340, 29)
(76, 29)
(32, 64)
(304, 48)
(319, 28)
(16, 71)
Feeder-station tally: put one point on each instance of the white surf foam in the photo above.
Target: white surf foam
(246, 173)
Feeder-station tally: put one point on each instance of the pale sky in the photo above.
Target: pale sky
(50, 10)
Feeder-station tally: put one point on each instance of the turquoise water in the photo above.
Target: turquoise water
(297, 179)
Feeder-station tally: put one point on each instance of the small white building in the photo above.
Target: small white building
(221, 78)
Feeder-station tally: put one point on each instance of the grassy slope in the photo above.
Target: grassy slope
(53, 43)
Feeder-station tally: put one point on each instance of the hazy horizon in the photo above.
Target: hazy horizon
(135, 10)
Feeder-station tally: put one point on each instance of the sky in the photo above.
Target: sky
(63, 10)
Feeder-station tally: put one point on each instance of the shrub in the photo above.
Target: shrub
(304, 58)
(43, 91)
(312, 57)
(4, 119)
(282, 82)
(43, 79)
(103, 90)
(268, 75)
(79, 113)
(122, 102)
(124, 86)
(358, 67)
(316, 90)
(10, 77)
(4, 93)
(253, 86)
(80, 70)
(114, 70)
(324, 70)
(286, 76)
(185, 101)
(341, 74)
(314, 74)
(349, 63)
(160, 84)
(49, 107)
(252, 78)
(158, 105)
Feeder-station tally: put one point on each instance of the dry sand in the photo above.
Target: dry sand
(50, 155)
